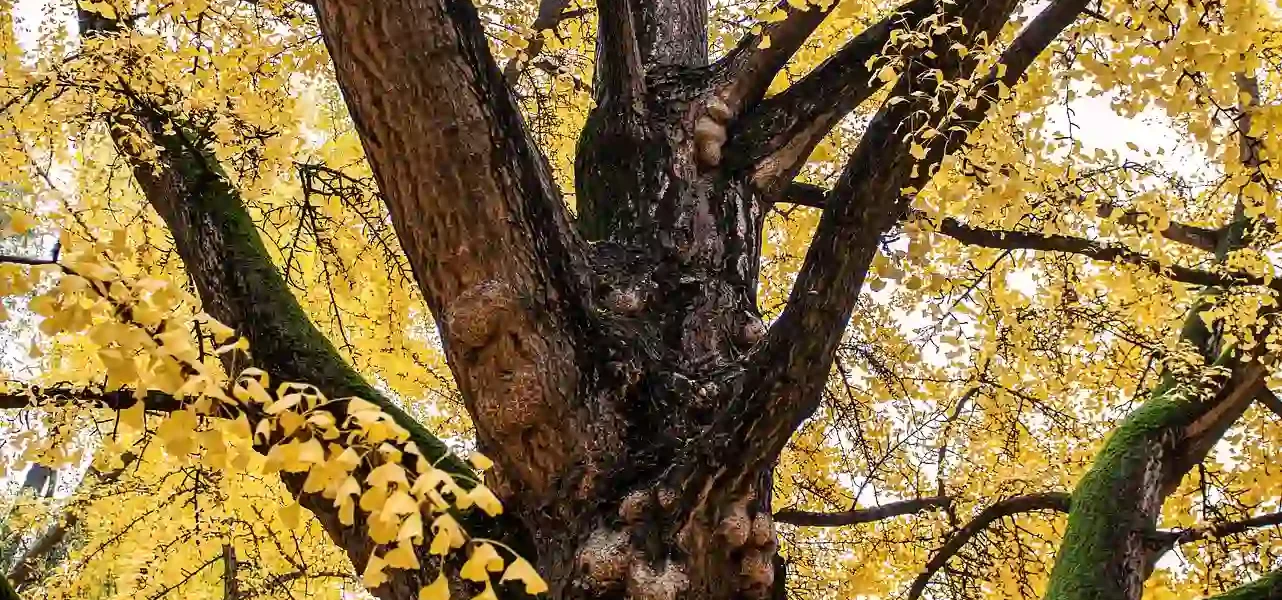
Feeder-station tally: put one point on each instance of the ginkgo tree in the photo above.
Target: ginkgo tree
(657, 300)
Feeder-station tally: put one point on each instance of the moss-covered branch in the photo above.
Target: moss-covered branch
(1268, 587)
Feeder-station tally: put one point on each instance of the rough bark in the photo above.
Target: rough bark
(617, 367)
(239, 285)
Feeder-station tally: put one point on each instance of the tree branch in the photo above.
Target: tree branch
(749, 68)
(114, 400)
(808, 194)
(1101, 251)
(1268, 587)
(861, 515)
(239, 285)
(1270, 401)
(671, 32)
(1189, 235)
(773, 140)
(476, 210)
(1118, 501)
(1053, 501)
(620, 72)
(786, 372)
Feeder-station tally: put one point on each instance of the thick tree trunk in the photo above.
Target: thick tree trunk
(617, 368)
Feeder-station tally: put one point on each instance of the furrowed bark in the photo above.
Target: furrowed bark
(772, 141)
(672, 33)
(481, 222)
(786, 373)
(240, 286)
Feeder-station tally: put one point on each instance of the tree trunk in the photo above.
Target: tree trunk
(616, 365)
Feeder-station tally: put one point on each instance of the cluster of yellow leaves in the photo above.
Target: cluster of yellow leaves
(352, 452)
(1058, 346)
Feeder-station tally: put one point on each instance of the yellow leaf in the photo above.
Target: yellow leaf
(484, 559)
(521, 570)
(373, 575)
(448, 534)
(439, 589)
(886, 74)
(402, 557)
(480, 461)
(485, 499)
(401, 503)
(412, 528)
(134, 417)
(20, 223)
(292, 515)
(386, 474)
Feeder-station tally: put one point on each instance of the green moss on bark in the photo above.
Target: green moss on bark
(1117, 502)
(239, 284)
(1268, 587)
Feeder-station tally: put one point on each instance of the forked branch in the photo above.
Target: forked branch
(786, 372)
(773, 140)
(753, 63)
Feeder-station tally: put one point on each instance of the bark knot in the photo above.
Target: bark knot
(480, 311)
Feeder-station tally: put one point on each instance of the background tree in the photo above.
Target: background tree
(970, 321)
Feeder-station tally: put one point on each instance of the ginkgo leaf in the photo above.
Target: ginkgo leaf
(480, 461)
(439, 589)
(483, 560)
(485, 499)
(402, 557)
(447, 534)
(521, 570)
(291, 515)
(373, 576)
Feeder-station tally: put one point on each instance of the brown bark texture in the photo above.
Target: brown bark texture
(615, 362)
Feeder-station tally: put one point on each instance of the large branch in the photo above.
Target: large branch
(773, 140)
(672, 32)
(239, 285)
(1107, 550)
(786, 372)
(855, 516)
(480, 219)
(620, 69)
(1202, 238)
(1053, 501)
(758, 57)
(114, 399)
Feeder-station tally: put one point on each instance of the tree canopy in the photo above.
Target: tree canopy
(242, 315)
